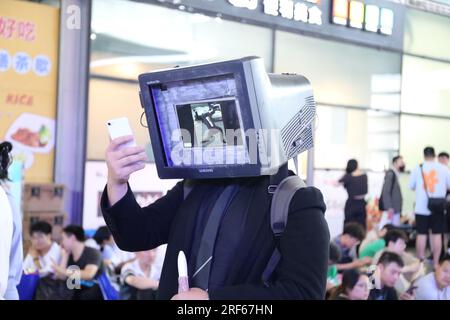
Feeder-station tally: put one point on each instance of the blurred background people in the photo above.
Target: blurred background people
(443, 159)
(139, 278)
(377, 243)
(347, 243)
(429, 180)
(388, 271)
(80, 263)
(43, 252)
(391, 199)
(112, 255)
(354, 286)
(332, 273)
(356, 184)
(435, 285)
(11, 252)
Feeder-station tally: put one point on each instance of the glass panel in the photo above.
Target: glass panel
(420, 132)
(340, 73)
(427, 34)
(109, 100)
(369, 136)
(159, 37)
(425, 86)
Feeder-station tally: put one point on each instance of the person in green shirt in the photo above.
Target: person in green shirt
(372, 248)
(375, 246)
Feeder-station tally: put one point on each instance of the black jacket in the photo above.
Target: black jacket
(301, 273)
(392, 194)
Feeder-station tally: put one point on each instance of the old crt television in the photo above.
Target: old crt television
(226, 119)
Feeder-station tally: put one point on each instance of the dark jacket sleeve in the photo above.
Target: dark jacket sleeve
(387, 188)
(138, 229)
(301, 272)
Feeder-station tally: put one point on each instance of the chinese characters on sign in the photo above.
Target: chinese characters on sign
(352, 13)
(23, 63)
(307, 11)
(29, 41)
(16, 29)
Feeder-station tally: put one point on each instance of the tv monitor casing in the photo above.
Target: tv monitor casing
(283, 103)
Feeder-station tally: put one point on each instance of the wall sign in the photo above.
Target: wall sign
(376, 23)
(367, 17)
(29, 40)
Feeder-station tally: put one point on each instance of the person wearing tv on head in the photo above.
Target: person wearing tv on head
(223, 225)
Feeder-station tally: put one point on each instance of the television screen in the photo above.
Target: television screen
(200, 121)
(208, 122)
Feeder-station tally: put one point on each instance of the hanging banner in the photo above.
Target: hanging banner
(28, 84)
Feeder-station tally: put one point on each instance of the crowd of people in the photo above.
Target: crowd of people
(363, 264)
(82, 261)
(377, 264)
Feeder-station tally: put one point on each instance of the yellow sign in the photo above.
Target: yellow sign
(28, 84)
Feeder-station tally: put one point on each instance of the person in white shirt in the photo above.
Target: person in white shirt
(6, 235)
(437, 182)
(139, 278)
(11, 254)
(435, 285)
(40, 258)
(43, 251)
(444, 158)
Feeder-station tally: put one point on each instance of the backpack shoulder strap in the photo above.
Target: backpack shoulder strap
(188, 185)
(279, 212)
(281, 200)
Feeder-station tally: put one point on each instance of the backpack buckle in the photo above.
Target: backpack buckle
(272, 188)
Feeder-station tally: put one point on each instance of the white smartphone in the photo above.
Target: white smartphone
(120, 127)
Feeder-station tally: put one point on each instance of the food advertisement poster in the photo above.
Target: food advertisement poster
(28, 84)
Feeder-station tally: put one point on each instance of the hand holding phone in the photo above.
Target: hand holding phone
(120, 127)
(123, 157)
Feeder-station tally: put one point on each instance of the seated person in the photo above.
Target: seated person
(395, 241)
(112, 256)
(354, 286)
(370, 248)
(435, 285)
(387, 273)
(139, 278)
(334, 256)
(80, 263)
(347, 243)
(42, 251)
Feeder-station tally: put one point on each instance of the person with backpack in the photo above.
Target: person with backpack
(248, 230)
(245, 241)
(391, 199)
(430, 180)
